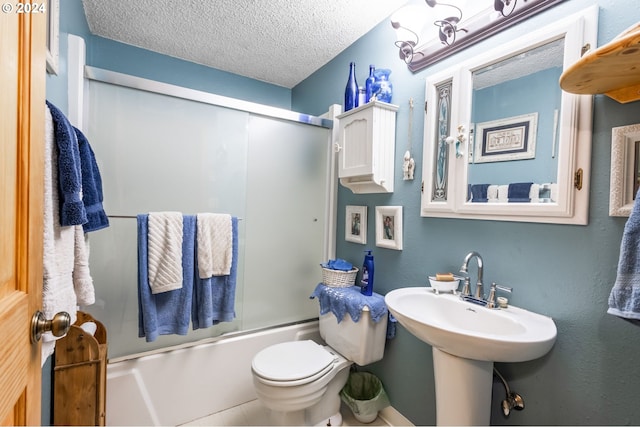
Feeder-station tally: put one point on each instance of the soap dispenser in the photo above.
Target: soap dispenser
(366, 283)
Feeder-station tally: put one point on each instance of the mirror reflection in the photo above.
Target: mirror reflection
(515, 110)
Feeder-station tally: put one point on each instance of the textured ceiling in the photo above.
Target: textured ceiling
(276, 41)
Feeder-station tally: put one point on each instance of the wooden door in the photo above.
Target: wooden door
(22, 107)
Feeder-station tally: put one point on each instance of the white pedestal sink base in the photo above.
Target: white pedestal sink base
(463, 390)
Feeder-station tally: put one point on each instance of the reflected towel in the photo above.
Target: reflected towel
(492, 193)
(165, 251)
(215, 250)
(350, 300)
(503, 193)
(167, 312)
(214, 297)
(534, 193)
(519, 192)
(479, 193)
(624, 299)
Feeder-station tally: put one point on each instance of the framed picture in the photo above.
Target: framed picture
(355, 227)
(513, 138)
(53, 13)
(389, 227)
(625, 161)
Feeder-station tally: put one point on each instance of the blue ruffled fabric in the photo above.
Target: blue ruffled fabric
(350, 300)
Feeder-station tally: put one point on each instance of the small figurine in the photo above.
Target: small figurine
(408, 166)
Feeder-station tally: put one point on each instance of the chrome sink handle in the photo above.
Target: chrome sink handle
(466, 281)
(491, 301)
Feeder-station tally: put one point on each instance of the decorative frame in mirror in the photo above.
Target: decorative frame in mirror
(625, 176)
(450, 134)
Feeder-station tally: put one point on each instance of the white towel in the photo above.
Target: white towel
(554, 192)
(59, 247)
(503, 193)
(492, 193)
(534, 193)
(165, 251)
(215, 244)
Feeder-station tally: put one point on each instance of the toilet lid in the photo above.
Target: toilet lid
(291, 361)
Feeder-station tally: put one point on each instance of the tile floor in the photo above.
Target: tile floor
(254, 414)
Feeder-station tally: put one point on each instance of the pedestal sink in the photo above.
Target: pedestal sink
(467, 339)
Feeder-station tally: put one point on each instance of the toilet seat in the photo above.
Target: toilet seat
(292, 363)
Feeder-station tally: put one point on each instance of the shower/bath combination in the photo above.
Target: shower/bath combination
(513, 399)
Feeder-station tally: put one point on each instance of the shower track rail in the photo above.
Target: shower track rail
(224, 336)
(125, 80)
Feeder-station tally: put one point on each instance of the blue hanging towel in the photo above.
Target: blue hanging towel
(167, 312)
(214, 297)
(624, 299)
(91, 186)
(72, 210)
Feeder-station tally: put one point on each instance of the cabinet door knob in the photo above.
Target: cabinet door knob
(58, 326)
(336, 147)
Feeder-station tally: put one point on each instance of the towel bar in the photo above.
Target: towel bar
(135, 216)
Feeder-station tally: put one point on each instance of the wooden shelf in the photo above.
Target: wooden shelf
(613, 69)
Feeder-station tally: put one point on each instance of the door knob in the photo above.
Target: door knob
(58, 326)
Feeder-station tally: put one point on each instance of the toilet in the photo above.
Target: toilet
(299, 382)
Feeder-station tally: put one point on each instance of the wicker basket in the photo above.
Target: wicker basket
(338, 278)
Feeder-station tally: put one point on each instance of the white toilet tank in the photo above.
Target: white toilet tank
(361, 342)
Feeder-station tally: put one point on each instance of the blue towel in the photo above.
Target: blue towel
(91, 186)
(624, 299)
(338, 264)
(72, 210)
(214, 297)
(350, 300)
(519, 192)
(167, 312)
(479, 193)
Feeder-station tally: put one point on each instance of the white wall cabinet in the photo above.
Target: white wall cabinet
(367, 140)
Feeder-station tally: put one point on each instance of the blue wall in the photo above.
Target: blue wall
(123, 58)
(591, 376)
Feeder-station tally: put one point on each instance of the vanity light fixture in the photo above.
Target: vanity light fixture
(425, 35)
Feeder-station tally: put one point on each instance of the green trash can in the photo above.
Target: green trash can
(364, 395)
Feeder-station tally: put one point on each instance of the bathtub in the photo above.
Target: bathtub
(179, 385)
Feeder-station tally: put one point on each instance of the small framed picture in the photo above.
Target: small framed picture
(389, 227)
(355, 227)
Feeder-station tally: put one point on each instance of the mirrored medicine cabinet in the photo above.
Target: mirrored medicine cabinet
(502, 141)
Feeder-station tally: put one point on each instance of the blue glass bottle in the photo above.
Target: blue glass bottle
(368, 87)
(351, 91)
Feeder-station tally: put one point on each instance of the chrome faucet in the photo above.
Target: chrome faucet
(464, 269)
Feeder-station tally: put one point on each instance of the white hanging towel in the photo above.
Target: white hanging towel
(164, 242)
(215, 244)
